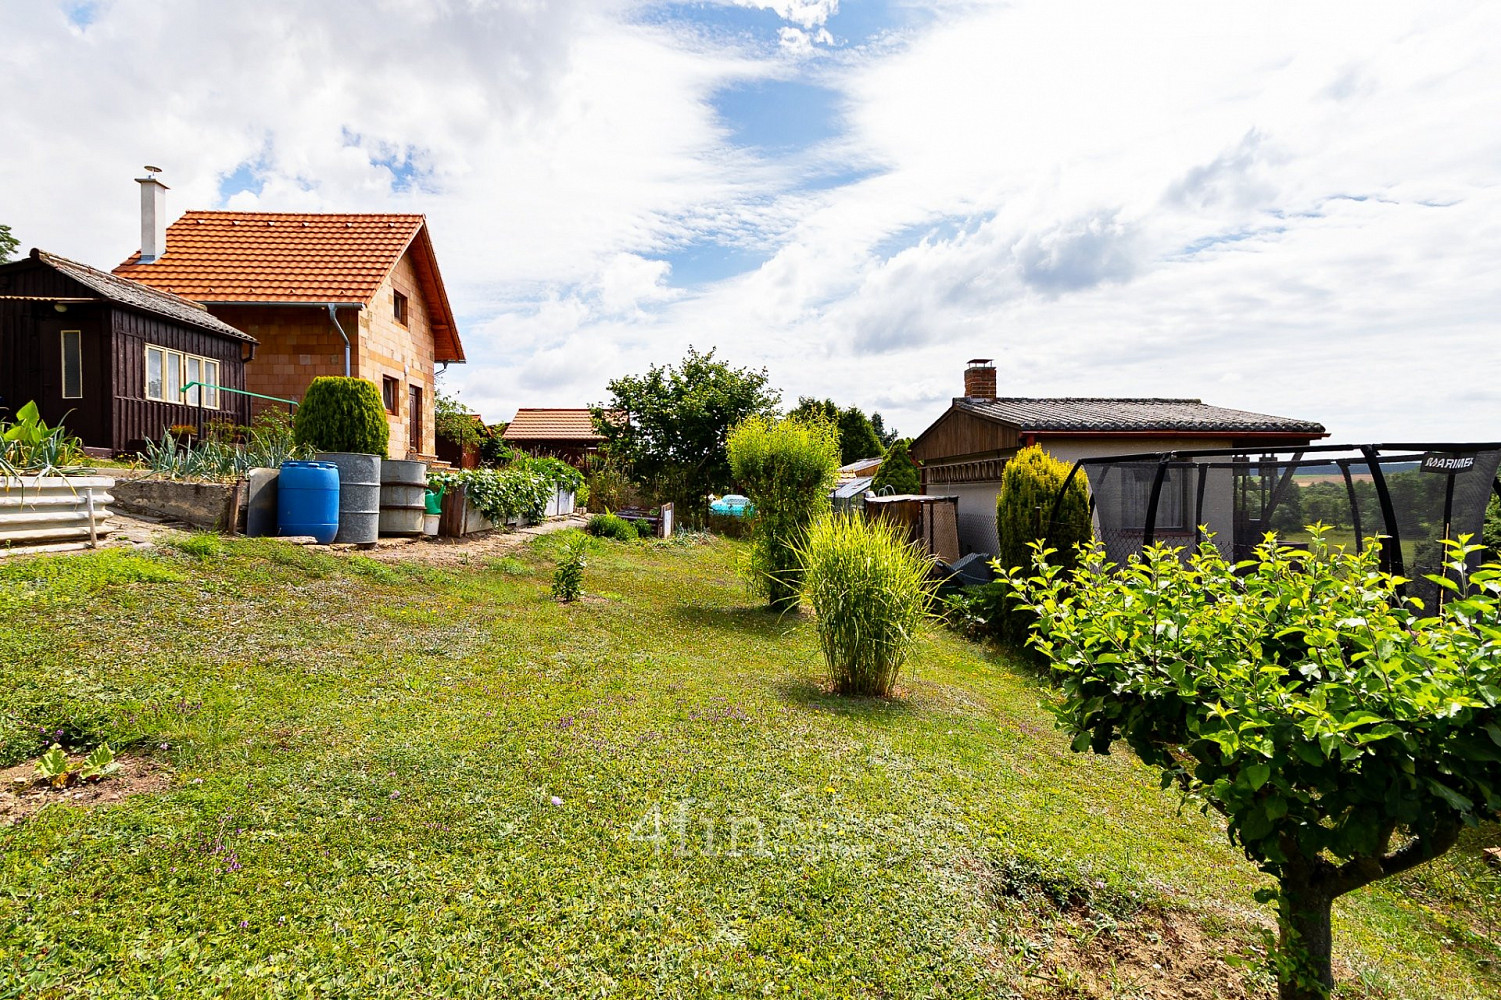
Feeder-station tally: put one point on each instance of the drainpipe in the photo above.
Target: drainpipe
(334, 316)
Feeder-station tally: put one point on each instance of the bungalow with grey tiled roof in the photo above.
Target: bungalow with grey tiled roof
(964, 451)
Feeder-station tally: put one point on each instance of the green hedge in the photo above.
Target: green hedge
(520, 490)
(342, 414)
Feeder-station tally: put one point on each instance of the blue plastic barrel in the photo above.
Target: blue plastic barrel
(307, 500)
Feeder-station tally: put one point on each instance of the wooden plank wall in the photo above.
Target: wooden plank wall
(958, 434)
(137, 418)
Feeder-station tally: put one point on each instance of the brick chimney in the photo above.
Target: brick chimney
(153, 216)
(979, 379)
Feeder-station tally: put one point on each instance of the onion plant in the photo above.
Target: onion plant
(29, 447)
(870, 591)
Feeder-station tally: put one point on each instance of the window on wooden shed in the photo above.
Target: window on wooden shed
(156, 365)
(72, 342)
(399, 307)
(174, 378)
(192, 372)
(211, 390)
(390, 392)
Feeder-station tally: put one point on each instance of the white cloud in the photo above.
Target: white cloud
(1285, 208)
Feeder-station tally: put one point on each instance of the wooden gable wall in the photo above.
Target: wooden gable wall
(960, 435)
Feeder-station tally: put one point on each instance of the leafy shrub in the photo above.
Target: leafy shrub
(898, 471)
(607, 485)
(610, 526)
(568, 578)
(645, 529)
(1344, 738)
(870, 591)
(1493, 526)
(29, 446)
(555, 471)
(342, 414)
(786, 467)
(518, 491)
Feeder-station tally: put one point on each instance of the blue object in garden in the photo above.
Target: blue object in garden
(307, 500)
(732, 505)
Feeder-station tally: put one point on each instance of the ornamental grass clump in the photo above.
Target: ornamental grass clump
(786, 467)
(869, 588)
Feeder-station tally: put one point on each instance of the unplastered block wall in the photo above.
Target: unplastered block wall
(405, 353)
(297, 344)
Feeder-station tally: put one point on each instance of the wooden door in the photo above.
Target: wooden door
(414, 421)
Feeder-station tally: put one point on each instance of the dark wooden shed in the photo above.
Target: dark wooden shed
(108, 356)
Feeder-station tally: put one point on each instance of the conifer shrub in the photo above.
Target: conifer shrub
(787, 467)
(1024, 515)
(342, 414)
(898, 471)
(869, 589)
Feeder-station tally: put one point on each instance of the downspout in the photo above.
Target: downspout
(333, 314)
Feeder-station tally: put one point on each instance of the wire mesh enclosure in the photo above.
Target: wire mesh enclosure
(1409, 498)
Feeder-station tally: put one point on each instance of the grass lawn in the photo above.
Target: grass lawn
(397, 780)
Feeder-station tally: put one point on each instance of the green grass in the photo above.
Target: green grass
(365, 758)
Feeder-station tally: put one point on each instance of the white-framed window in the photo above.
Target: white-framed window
(167, 371)
(72, 348)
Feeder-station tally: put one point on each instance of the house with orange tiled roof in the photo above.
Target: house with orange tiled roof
(322, 293)
(568, 434)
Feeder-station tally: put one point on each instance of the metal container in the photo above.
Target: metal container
(403, 497)
(307, 500)
(359, 496)
(41, 510)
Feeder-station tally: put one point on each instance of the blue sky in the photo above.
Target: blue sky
(1285, 208)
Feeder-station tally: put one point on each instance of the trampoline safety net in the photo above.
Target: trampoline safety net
(1410, 497)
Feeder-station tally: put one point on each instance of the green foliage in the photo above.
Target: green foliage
(56, 769)
(1493, 526)
(522, 490)
(786, 467)
(201, 544)
(858, 437)
(869, 589)
(1024, 507)
(453, 422)
(886, 435)
(1296, 695)
(8, 244)
(568, 578)
(342, 414)
(898, 471)
(493, 450)
(218, 455)
(100, 763)
(610, 526)
(52, 766)
(679, 417)
(609, 487)
(29, 447)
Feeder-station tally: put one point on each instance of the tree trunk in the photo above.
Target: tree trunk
(1305, 919)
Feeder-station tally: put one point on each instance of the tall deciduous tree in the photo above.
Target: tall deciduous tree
(1344, 735)
(678, 417)
(858, 437)
(8, 244)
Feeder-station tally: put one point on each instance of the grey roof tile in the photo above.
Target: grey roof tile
(1085, 413)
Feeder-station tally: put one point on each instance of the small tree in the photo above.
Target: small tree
(342, 414)
(1024, 509)
(673, 442)
(869, 588)
(454, 422)
(898, 471)
(1344, 738)
(787, 468)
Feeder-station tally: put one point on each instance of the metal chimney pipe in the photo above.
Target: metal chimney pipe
(153, 216)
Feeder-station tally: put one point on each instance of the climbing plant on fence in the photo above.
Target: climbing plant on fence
(1345, 735)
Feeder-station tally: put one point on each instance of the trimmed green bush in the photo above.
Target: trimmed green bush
(1029, 491)
(611, 526)
(870, 591)
(786, 467)
(898, 470)
(342, 414)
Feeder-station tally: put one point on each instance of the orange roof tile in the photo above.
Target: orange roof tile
(536, 424)
(281, 257)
